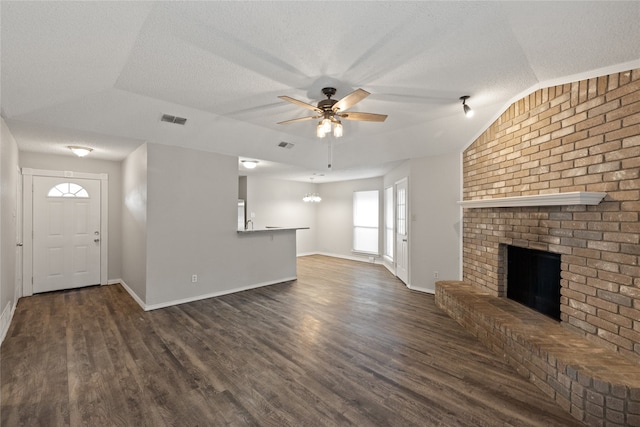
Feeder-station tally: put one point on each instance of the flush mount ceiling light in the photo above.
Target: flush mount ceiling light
(249, 164)
(331, 111)
(467, 110)
(79, 151)
(312, 197)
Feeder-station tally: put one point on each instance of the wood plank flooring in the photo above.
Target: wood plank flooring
(346, 344)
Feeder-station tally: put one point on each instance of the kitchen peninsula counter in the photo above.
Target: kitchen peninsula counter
(271, 229)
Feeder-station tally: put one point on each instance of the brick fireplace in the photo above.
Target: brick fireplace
(578, 137)
(582, 136)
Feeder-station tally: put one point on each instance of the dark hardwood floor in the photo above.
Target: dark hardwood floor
(345, 344)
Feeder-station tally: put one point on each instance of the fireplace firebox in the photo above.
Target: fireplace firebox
(533, 279)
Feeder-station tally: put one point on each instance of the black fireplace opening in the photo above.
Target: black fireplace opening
(533, 279)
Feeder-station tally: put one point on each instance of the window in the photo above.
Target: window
(401, 205)
(68, 189)
(365, 221)
(388, 223)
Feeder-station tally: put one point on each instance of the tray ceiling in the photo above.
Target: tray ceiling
(103, 73)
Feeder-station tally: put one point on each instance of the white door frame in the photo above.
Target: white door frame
(19, 237)
(27, 203)
(405, 181)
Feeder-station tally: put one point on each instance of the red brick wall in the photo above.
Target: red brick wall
(582, 136)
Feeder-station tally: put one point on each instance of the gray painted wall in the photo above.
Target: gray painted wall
(335, 216)
(279, 203)
(177, 217)
(87, 164)
(434, 188)
(434, 226)
(191, 221)
(134, 222)
(8, 216)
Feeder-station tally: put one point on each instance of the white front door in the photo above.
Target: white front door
(402, 232)
(66, 233)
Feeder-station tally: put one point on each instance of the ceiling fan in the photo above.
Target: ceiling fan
(331, 111)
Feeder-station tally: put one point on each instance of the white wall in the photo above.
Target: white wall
(278, 203)
(9, 179)
(335, 217)
(134, 222)
(87, 164)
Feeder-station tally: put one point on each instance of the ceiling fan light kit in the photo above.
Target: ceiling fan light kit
(337, 129)
(331, 111)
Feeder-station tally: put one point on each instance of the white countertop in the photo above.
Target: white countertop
(262, 230)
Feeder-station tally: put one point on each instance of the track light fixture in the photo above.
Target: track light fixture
(467, 110)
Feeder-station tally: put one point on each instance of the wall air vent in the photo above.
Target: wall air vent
(173, 119)
(287, 145)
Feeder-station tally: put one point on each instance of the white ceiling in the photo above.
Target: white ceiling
(101, 74)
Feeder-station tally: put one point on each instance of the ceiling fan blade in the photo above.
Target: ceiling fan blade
(350, 100)
(300, 119)
(365, 117)
(300, 103)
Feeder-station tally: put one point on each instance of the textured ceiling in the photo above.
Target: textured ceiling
(102, 73)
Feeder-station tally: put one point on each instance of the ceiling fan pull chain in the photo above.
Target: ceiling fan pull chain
(330, 145)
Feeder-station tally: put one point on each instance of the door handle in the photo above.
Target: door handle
(404, 240)
(96, 240)
(18, 244)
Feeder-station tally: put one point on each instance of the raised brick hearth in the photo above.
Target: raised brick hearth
(594, 384)
(578, 137)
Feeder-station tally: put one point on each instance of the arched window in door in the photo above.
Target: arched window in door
(68, 189)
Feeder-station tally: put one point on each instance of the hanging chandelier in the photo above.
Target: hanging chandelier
(312, 197)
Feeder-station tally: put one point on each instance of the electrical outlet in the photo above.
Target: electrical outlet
(435, 274)
(194, 278)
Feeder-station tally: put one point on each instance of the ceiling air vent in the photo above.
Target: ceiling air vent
(285, 145)
(173, 119)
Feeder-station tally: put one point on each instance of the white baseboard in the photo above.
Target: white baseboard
(149, 307)
(135, 296)
(425, 290)
(361, 258)
(391, 268)
(306, 254)
(5, 320)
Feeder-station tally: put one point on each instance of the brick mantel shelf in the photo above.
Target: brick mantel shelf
(555, 199)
